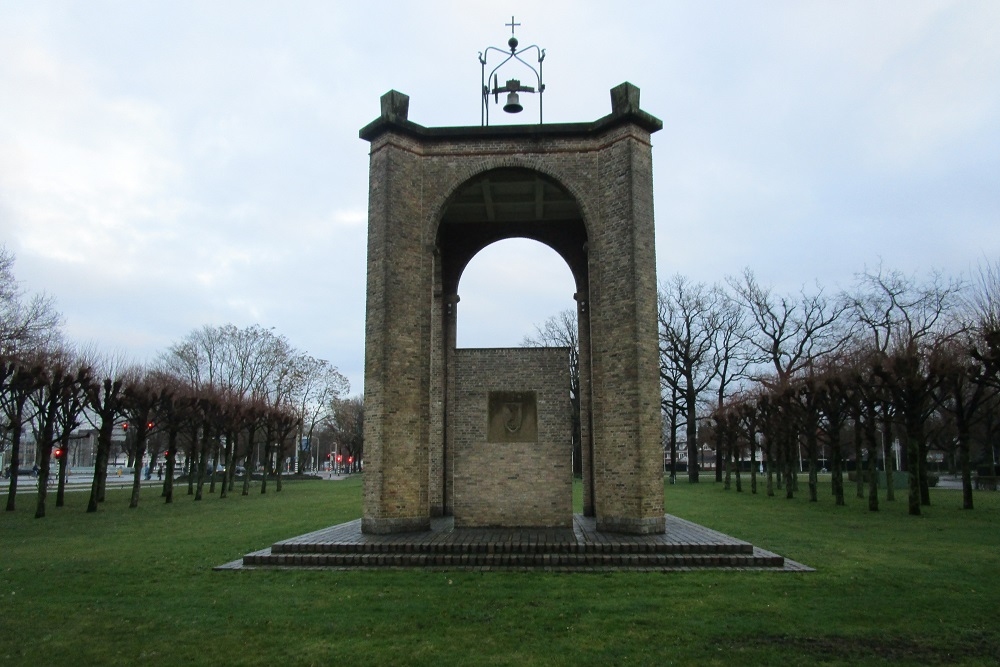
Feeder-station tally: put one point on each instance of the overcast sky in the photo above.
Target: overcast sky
(168, 164)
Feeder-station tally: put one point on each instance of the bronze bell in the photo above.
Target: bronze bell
(513, 105)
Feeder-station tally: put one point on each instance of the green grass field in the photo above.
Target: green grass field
(128, 587)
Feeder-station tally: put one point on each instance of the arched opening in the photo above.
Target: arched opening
(510, 418)
(508, 290)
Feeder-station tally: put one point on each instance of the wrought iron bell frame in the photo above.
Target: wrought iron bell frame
(513, 86)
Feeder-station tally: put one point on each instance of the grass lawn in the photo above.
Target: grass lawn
(127, 587)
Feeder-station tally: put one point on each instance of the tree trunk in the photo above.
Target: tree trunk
(248, 469)
(872, 479)
(836, 467)
(739, 464)
(890, 461)
(140, 451)
(192, 460)
(279, 469)
(61, 488)
(15, 452)
(101, 463)
(811, 447)
(925, 492)
(673, 448)
(228, 481)
(44, 446)
(913, 450)
(171, 461)
(779, 462)
(769, 462)
(215, 467)
(202, 461)
(267, 464)
(858, 468)
(719, 456)
(43, 482)
(966, 465)
(790, 476)
(725, 446)
(692, 445)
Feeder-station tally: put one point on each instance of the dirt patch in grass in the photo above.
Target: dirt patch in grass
(933, 651)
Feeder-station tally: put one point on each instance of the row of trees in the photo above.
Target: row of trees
(892, 356)
(746, 371)
(221, 398)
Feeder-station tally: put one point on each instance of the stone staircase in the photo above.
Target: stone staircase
(685, 546)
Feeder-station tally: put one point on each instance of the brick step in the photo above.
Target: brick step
(462, 549)
(512, 560)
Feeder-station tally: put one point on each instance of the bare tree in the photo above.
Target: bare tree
(319, 385)
(791, 333)
(983, 300)
(732, 355)
(348, 427)
(689, 322)
(27, 323)
(560, 330)
(905, 321)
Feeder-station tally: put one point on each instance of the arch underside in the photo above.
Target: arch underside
(510, 203)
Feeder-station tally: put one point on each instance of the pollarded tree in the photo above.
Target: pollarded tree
(141, 399)
(834, 402)
(962, 394)
(104, 404)
(59, 378)
(20, 381)
(808, 396)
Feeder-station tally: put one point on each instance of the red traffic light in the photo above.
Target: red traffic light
(340, 457)
(149, 426)
(125, 426)
(58, 452)
(350, 459)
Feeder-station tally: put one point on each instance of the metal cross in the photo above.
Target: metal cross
(512, 24)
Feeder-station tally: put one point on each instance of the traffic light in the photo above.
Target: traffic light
(149, 426)
(340, 458)
(125, 426)
(328, 455)
(58, 452)
(350, 459)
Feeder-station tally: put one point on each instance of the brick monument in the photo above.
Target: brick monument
(482, 435)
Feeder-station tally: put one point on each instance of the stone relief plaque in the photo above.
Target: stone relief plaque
(513, 417)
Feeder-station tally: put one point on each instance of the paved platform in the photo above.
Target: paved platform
(684, 546)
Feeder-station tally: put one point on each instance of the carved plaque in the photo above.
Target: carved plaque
(513, 417)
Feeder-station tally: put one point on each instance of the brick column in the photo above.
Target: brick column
(397, 333)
